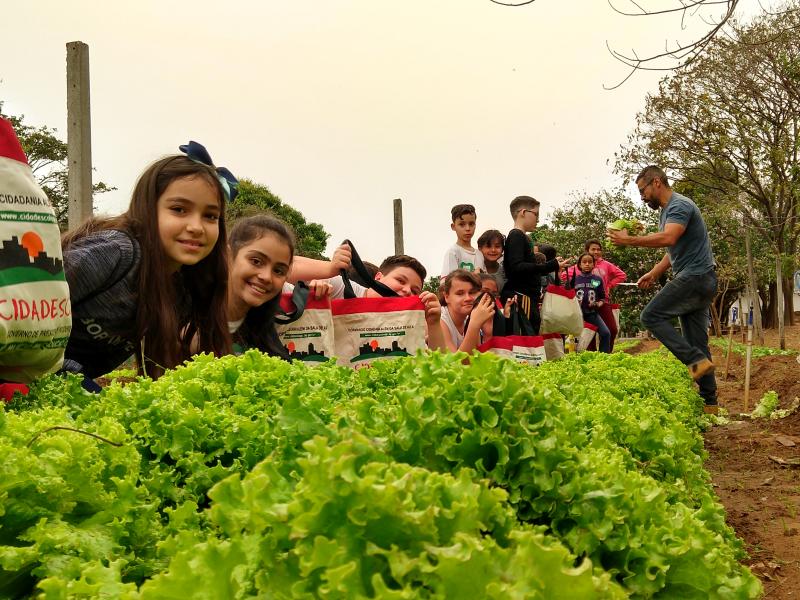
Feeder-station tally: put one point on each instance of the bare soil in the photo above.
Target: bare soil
(760, 495)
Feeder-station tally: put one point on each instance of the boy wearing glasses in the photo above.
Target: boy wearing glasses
(689, 294)
(522, 272)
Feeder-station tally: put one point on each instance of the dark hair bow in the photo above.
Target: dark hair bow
(198, 153)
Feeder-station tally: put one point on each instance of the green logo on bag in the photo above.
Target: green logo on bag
(297, 336)
(25, 261)
(371, 350)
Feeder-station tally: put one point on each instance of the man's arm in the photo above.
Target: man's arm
(663, 239)
(649, 278)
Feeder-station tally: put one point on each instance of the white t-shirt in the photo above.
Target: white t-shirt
(233, 326)
(457, 336)
(457, 257)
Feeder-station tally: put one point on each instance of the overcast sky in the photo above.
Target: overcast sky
(339, 106)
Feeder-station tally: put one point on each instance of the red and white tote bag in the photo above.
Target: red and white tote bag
(369, 329)
(561, 312)
(35, 310)
(309, 338)
(553, 345)
(528, 349)
(587, 335)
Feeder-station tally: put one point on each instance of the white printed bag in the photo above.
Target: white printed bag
(528, 349)
(561, 312)
(514, 337)
(35, 312)
(553, 345)
(305, 326)
(587, 335)
(615, 312)
(368, 329)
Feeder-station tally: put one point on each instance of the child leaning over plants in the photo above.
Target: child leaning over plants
(261, 256)
(590, 293)
(404, 275)
(460, 291)
(153, 280)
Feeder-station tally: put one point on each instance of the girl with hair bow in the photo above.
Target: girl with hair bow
(152, 282)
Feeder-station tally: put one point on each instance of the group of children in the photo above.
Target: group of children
(167, 279)
(515, 270)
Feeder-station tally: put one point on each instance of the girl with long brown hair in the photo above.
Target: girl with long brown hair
(152, 282)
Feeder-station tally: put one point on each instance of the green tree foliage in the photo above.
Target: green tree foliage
(47, 157)
(729, 124)
(584, 218)
(431, 284)
(254, 197)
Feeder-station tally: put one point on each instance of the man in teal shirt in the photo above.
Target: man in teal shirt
(689, 294)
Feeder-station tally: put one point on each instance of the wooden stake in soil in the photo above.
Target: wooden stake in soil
(748, 357)
(731, 327)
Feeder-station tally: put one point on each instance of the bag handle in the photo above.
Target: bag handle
(520, 324)
(299, 299)
(381, 288)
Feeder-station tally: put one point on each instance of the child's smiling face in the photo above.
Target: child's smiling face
(492, 251)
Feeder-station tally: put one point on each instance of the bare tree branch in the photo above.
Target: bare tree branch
(676, 54)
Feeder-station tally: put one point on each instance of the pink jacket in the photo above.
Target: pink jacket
(610, 273)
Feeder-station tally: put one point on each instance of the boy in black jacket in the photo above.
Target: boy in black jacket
(522, 272)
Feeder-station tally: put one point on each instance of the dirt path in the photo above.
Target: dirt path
(762, 497)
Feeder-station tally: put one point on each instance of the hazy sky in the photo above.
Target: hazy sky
(339, 106)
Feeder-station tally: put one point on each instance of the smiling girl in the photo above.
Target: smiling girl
(262, 250)
(152, 280)
(460, 290)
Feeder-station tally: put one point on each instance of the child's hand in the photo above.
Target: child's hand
(507, 307)
(563, 263)
(319, 289)
(482, 312)
(433, 310)
(341, 259)
(599, 303)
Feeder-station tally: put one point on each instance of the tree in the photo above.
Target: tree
(431, 284)
(253, 197)
(730, 124)
(47, 157)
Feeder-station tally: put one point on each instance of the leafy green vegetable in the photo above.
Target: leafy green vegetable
(420, 477)
(756, 351)
(767, 405)
(632, 225)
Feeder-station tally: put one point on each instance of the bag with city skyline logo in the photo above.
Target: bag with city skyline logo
(368, 329)
(514, 337)
(35, 315)
(305, 326)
